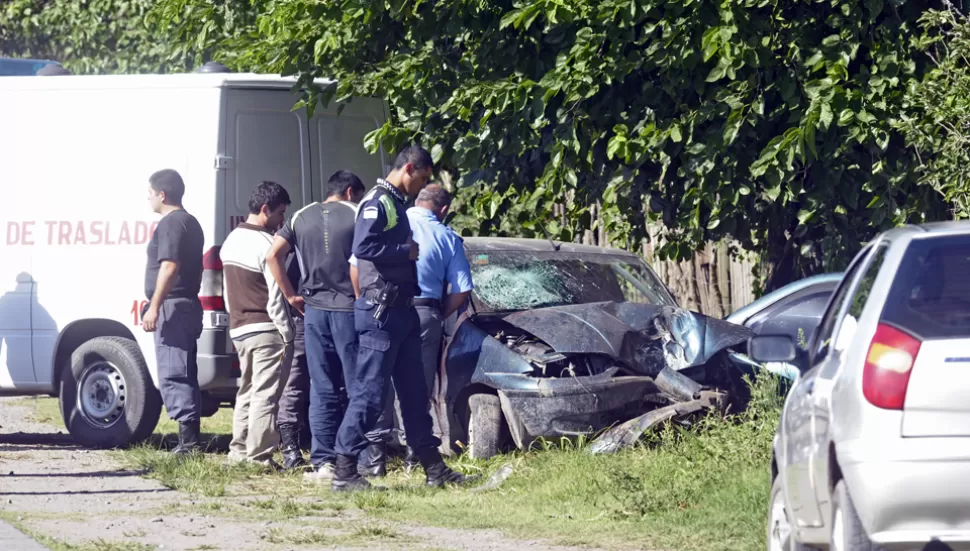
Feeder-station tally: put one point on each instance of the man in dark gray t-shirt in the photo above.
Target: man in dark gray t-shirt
(173, 277)
(322, 235)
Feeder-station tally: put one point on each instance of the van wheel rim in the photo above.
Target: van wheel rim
(780, 536)
(838, 530)
(102, 394)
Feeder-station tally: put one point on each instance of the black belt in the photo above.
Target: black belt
(372, 295)
(429, 302)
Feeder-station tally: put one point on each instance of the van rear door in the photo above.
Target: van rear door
(337, 142)
(265, 140)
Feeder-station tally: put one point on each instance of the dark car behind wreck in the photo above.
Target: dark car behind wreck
(566, 339)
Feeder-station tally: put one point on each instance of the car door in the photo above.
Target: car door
(799, 424)
(831, 367)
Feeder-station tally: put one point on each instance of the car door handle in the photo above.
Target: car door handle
(810, 387)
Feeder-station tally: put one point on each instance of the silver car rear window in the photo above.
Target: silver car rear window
(930, 295)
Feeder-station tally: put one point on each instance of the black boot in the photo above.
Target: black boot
(345, 476)
(292, 456)
(411, 460)
(373, 461)
(189, 438)
(438, 474)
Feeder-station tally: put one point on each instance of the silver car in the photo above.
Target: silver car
(873, 448)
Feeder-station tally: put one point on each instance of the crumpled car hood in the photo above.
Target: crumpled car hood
(645, 337)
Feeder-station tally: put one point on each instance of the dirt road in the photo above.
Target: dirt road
(72, 498)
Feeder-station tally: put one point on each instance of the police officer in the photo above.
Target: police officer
(173, 278)
(445, 280)
(388, 328)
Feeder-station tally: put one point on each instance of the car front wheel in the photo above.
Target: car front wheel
(107, 397)
(847, 531)
(484, 425)
(781, 536)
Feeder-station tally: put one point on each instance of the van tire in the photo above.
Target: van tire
(484, 425)
(120, 405)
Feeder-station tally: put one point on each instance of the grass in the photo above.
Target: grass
(362, 536)
(699, 487)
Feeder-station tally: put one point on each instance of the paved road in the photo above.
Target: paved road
(11, 538)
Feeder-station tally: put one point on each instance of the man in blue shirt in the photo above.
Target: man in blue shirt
(445, 281)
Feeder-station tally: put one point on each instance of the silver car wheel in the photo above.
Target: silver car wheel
(838, 530)
(102, 393)
(780, 534)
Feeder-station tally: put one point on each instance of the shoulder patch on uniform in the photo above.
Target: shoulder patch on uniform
(370, 195)
(370, 213)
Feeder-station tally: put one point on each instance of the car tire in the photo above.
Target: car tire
(847, 531)
(107, 397)
(484, 425)
(781, 535)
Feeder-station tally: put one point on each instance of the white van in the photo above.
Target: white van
(75, 156)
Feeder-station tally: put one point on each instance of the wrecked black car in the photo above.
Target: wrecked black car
(561, 340)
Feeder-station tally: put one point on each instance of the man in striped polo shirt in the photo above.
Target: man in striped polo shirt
(259, 324)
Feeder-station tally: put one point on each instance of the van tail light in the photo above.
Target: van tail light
(889, 363)
(210, 295)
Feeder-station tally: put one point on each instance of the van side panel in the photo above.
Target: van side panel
(75, 165)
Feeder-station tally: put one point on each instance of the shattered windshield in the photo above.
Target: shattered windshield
(510, 280)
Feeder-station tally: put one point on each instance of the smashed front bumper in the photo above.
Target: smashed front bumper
(555, 407)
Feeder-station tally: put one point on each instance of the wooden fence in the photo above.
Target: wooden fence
(713, 282)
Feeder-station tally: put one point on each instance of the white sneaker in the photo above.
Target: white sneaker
(322, 473)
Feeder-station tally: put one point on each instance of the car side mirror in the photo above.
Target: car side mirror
(772, 348)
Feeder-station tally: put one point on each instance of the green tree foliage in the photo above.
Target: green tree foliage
(772, 122)
(936, 115)
(86, 36)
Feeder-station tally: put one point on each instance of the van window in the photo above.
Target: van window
(930, 296)
(269, 146)
(340, 140)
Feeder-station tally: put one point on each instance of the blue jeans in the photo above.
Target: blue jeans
(388, 350)
(331, 350)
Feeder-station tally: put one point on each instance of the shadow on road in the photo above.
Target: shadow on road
(87, 492)
(27, 441)
(94, 474)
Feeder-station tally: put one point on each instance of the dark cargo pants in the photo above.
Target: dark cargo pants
(388, 351)
(431, 327)
(293, 403)
(176, 355)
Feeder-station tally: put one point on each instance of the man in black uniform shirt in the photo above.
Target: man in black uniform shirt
(173, 278)
(322, 234)
(388, 330)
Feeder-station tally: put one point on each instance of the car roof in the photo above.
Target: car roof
(742, 314)
(517, 244)
(953, 227)
(175, 80)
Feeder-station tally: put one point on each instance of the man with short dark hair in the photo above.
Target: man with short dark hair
(173, 278)
(388, 327)
(259, 325)
(322, 234)
(445, 279)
